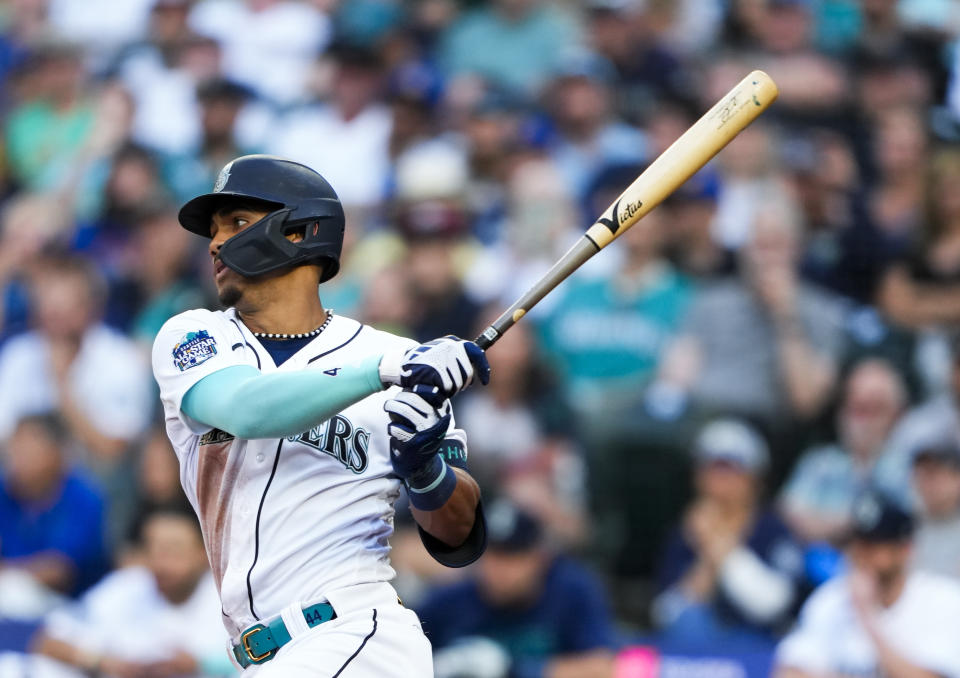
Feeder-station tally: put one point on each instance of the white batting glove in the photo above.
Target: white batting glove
(437, 369)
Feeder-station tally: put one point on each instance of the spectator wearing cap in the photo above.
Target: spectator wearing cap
(817, 499)
(730, 573)
(526, 611)
(691, 245)
(51, 515)
(648, 67)
(587, 135)
(433, 219)
(880, 618)
(936, 479)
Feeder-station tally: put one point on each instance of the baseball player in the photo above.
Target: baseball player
(295, 429)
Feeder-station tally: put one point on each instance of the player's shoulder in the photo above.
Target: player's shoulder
(385, 339)
(194, 320)
(195, 316)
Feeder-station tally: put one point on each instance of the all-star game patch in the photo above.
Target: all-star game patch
(194, 349)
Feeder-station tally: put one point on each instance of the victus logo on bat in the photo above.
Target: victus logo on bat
(621, 217)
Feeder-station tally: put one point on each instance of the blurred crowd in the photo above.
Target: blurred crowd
(740, 423)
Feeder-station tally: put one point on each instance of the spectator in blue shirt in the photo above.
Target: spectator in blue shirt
(729, 576)
(527, 612)
(51, 518)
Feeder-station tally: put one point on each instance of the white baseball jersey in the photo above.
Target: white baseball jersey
(921, 626)
(286, 519)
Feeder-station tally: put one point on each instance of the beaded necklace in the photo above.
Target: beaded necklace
(302, 335)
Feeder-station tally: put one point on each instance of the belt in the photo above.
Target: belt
(260, 642)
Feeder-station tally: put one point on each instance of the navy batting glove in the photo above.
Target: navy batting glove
(438, 369)
(417, 430)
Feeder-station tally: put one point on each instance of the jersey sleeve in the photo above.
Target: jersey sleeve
(189, 347)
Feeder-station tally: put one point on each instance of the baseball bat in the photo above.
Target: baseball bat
(728, 117)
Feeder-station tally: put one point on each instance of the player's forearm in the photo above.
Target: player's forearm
(248, 404)
(452, 522)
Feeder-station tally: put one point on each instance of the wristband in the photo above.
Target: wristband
(430, 488)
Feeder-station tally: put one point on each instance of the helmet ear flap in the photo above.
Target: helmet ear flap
(260, 248)
(264, 246)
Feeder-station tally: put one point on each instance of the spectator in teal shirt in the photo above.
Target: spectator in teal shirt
(516, 44)
(605, 335)
(46, 133)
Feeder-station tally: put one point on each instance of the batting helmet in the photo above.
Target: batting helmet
(297, 198)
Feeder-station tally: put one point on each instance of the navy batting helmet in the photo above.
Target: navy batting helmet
(298, 198)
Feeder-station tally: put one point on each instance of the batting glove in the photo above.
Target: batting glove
(438, 369)
(417, 429)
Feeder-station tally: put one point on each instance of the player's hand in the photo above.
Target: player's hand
(438, 369)
(416, 431)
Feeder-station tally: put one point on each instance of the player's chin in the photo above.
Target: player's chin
(229, 294)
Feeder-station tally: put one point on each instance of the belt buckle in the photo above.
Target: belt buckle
(245, 644)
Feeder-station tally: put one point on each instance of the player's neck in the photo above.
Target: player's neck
(284, 319)
(283, 308)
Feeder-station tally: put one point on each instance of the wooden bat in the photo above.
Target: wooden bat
(728, 117)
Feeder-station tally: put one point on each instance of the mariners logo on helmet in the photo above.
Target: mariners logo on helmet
(222, 178)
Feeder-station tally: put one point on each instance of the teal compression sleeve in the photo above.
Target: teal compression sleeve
(248, 404)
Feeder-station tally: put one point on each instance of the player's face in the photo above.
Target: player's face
(225, 224)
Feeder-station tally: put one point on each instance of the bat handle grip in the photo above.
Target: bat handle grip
(487, 338)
